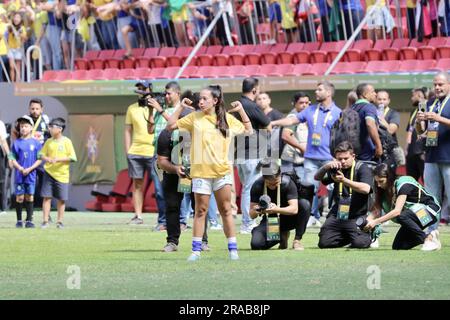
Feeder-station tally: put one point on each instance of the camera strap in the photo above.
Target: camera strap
(273, 223)
(344, 202)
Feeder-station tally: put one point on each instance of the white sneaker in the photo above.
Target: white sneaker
(233, 254)
(375, 244)
(247, 228)
(433, 244)
(313, 222)
(435, 234)
(2, 213)
(216, 226)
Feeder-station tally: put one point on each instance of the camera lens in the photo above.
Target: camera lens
(361, 222)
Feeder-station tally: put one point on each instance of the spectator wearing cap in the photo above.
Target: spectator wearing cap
(283, 213)
(24, 157)
(58, 153)
(139, 147)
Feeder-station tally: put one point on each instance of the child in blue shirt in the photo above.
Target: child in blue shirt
(24, 156)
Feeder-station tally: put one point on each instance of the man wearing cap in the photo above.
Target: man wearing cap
(139, 148)
(284, 210)
(24, 157)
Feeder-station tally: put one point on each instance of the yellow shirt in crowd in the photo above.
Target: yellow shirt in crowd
(209, 148)
(41, 18)
(61, 148)
(99, 3)
(3, 49)
(142, 141)
(16, 42)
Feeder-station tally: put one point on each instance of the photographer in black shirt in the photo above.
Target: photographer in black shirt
(275, 196)
(353, 181)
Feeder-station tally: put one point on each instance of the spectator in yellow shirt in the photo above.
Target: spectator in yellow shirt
(17, 36)
(3, 48)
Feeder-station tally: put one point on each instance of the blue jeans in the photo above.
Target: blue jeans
(108, 31)
(310, 168)
(53, 34)
(212, 209)
(249, 172)
(186, 208)
(159, 194)
(437, 177)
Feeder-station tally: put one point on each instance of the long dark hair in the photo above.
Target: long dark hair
(384, 171)
(221, 113)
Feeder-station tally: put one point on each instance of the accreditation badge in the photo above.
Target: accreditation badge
(420, 210)
(316, 138)
(184, 185)
(273, 228)
(344, 208)
(432, 135)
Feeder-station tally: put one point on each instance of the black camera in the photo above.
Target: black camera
(333, 171)
(361, 222)
(264, 202)
(158, 96)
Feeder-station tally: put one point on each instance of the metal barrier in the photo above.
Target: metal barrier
(28, 61)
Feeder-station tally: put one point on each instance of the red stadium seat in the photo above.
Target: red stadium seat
(205, 72)
(238, 58)
(382, 66)
(271, 57)
(417, 65)
(144, 60)
(116, 60)
(443, 64)
(303, 56)
(317, 69)
(120, 190)
(222, 72)
(79, 75)
(161, 59)
(393, 52)
(254, 57)
(357, 51)
(189, 72)
(428, 51)
(222, 58)
(299, 69)
(375, 52)
(281, 70)
(49, 75)
(143, 73)
(177, 59)
(258, 71)
(168, 73)
(443, 52)
(83, 63)
(349, 67)
(99, 62)
(127, 74)
(238, 72)
(207, 58)
(410, 52)
(131, 62)
(95, 74)
(287, 56)
(327, 52)
(111, 74)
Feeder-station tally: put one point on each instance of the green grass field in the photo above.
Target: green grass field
(118, 261)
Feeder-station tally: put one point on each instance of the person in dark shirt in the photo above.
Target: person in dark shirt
(285, 205)
(436, 123)
(353, 182)
(408, 203)
(415, 146)
(264, 103)
(388, 117)
(368, 130)
(248, 155)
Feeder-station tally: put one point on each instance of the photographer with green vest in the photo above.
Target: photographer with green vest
(407, 203)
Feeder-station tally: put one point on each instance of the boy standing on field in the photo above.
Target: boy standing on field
(57, 153)
(24, 157)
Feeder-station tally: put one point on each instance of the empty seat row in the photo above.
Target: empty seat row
(268, 70)
(281, 53)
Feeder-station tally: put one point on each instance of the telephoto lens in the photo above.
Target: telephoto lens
(264, 202)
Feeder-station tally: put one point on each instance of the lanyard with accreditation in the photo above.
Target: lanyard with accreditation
(433, 126)
(316, 136)
(344, 202)
(273, 222)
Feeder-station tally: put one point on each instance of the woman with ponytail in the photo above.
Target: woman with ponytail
(211, 130)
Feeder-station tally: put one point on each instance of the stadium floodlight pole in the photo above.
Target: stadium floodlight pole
(28, 61)
(351, 39)
(200, 43)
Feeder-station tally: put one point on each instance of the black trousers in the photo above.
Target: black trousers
(173, 206)
(296, 222)
(414, 166)
(337, 233)
(37, 191)
(411, 232)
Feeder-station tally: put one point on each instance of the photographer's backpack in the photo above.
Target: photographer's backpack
(346, 129)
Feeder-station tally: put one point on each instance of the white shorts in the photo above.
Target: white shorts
(209, 185)
(15, 54)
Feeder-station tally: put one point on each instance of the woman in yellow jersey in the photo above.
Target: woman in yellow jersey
(17, 36)
(211, 130)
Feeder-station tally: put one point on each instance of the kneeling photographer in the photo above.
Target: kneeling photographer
(353, 182)
(407, 203)
(275, 197)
